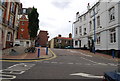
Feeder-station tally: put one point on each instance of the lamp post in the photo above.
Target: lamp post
(72, 28)
(94, 31)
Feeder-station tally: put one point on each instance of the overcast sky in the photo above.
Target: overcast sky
(54, 15)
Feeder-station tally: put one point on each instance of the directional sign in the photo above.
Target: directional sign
(86, 75)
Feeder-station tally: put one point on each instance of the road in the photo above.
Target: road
(69, 64)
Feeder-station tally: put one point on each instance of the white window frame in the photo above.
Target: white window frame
(98, 22)
(112, 14)
(1, 15)
(76, 31)
(80, 30)
(98, 39)
(112, 35)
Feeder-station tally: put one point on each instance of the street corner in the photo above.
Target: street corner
(51, 55)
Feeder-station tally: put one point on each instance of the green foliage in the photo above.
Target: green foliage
(33, 23)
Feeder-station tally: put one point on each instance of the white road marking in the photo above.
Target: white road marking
(86, 75)
(78, 63)
(54, 62)
(12, 72)
(87, 64)
(102, 64)
(88, 60)
(46, 62)
(112, 64)
(86, 55)
(70, 63)
(9, 76)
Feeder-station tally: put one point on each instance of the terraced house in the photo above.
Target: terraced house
(99, 27)
(8, 22)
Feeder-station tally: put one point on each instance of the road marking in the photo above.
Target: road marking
(112, 64)
(87, 64)
(54, 62)
(70, 63)
(12, 72)
(88, 60)
(7, 76)
(102, 64)
(86, 55)
(46, 62)
(86, 75)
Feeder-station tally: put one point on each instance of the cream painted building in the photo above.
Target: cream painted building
(103, 18)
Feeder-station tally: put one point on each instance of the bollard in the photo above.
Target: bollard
(46, 50)
(38, 52)
(113, 53)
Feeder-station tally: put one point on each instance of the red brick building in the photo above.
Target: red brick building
(61, 42)
(23, 28)
(42, 38)
(8, 22)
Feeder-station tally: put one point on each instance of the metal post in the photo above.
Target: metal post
(38, 52)
(94, 32)
(46, 50)
(113, 53)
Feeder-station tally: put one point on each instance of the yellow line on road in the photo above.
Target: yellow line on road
(53, 57)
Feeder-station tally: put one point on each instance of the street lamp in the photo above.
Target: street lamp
(72, 28)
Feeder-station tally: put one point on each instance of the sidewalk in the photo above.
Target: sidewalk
(28, 56)
(99, 54)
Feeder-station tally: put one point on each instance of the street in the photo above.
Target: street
(68, 64)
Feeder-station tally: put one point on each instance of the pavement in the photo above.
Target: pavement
(99, 55)
(34, 56)
(28, 56)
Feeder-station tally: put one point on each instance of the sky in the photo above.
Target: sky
(54, 15)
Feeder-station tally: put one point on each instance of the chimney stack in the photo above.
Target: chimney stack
(88, 7)
(70, 35)
(59, 35)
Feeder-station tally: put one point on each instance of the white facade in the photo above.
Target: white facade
(106, 27)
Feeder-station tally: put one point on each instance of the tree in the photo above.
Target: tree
(33, 23)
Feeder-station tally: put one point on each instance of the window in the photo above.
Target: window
(76, 31)
(76, 43)
(84, 17)
(98, 22)
(24, 10)
(90, 25)
(9, 36)
(22, 23)
(0, 15)
(112, 35)
(80, 30)
(98, 38)
(112, 14)
(12, 7)
(11, 21)
(22, 29)
(85, 31)
(2, 2)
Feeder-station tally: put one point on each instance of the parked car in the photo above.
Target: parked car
(69, 47)
(112, 76)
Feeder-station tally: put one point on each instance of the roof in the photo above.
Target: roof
(64, 38)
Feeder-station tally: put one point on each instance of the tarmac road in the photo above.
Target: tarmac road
(69, 64)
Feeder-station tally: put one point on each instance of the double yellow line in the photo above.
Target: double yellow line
(53, 57)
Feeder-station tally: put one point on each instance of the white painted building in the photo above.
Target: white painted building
(106, 27)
